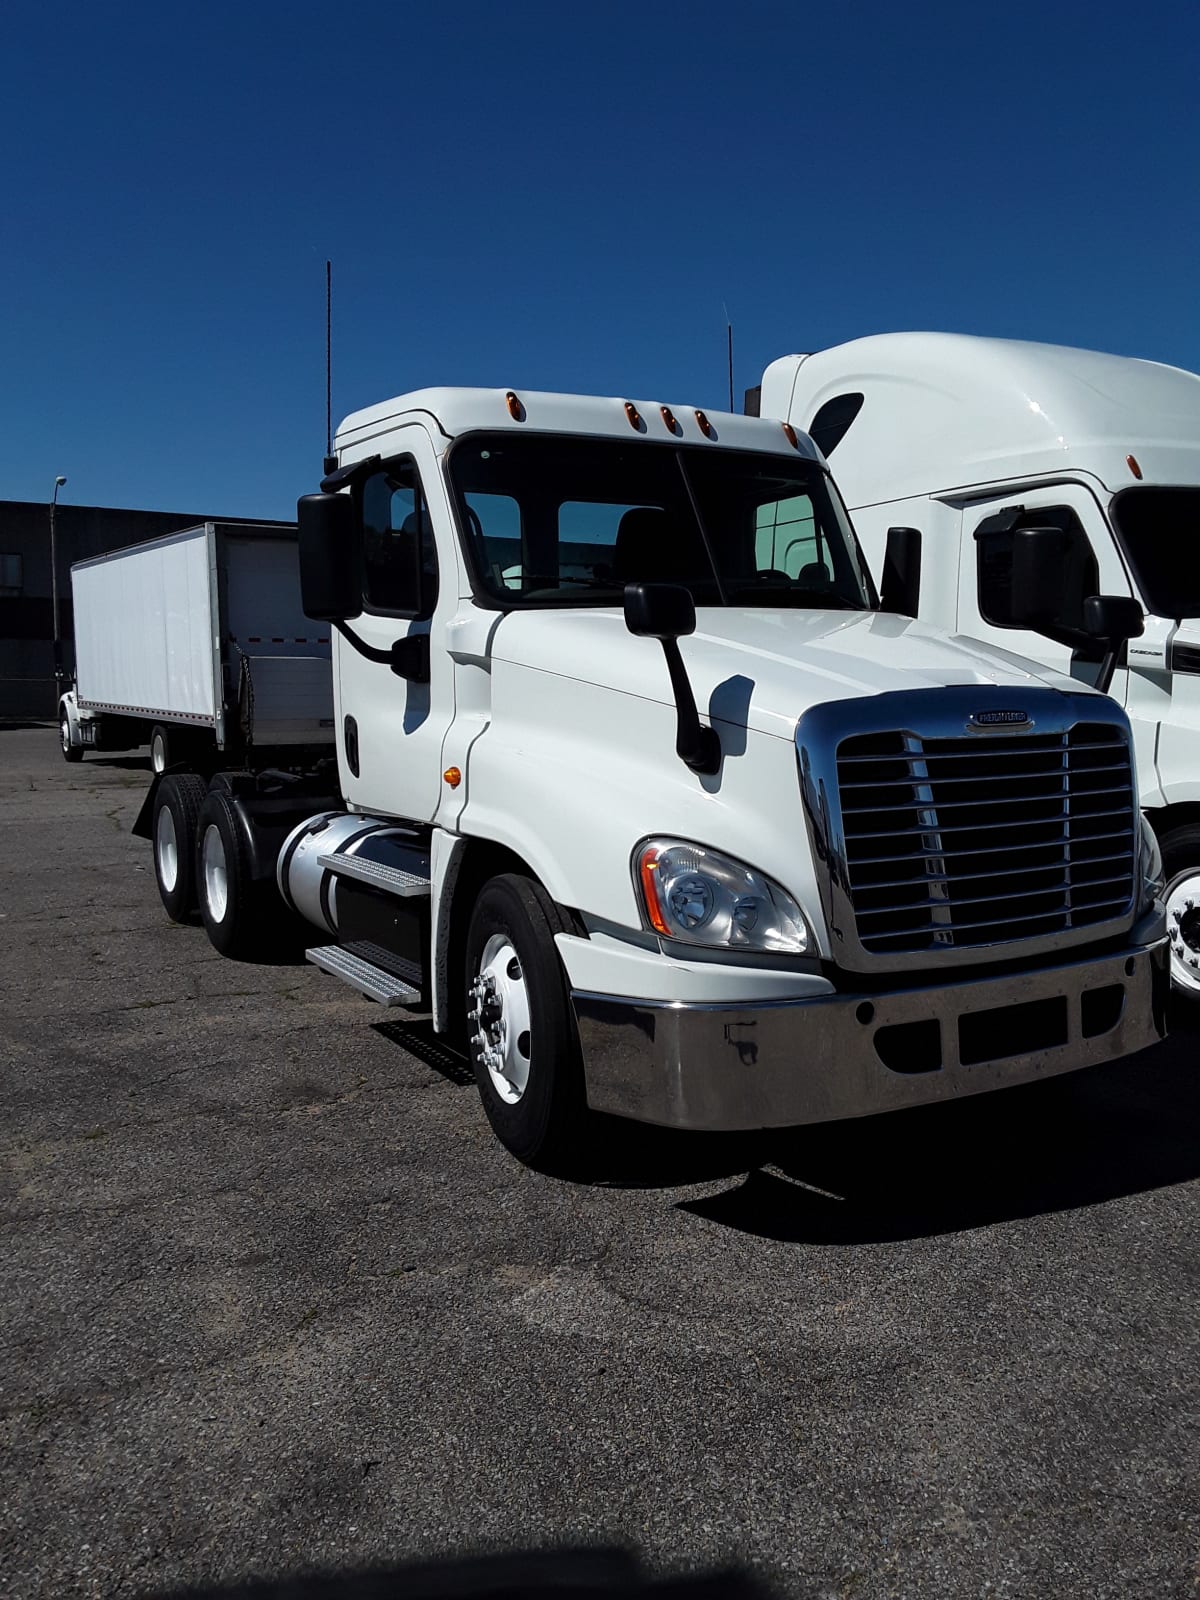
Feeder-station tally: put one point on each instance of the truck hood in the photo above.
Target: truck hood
(761, 669)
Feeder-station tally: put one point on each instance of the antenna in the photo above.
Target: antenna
(729, 349)
(329, 365)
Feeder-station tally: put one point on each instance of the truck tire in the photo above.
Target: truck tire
(241, 914)
(1181, 864)
(177, 803)
(160, 748)
(521, 1031)
(71, 752)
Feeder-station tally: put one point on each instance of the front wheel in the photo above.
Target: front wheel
(1181, 865)
(520, 1026)
(71, 752)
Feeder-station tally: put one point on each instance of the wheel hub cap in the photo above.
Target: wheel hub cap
(499, 1016)
(216, 880)
(1183, 926)
(167, 849)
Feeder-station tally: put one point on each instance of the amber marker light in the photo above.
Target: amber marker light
(648, 873)
(706, 427)
(515, 409)
(1132, 463)
(668, 417)
(452, 776)
(789, 433)
(631, 411)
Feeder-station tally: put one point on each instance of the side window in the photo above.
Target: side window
(399, 555)
(994, 562)
(831, 423)
(10, 575)
(787, 538)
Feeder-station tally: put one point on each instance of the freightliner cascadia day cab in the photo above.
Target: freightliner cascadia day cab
(196, 644)
(1038, 476)
(642, 793)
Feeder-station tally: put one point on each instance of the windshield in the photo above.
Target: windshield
(1159, 531)
(553, 520)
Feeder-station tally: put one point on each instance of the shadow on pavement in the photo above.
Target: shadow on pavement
(1074, 1141)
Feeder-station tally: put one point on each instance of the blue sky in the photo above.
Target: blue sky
(551, 196)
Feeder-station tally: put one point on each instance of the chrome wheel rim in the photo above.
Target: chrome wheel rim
(499, 1018)
(158, 753)
(64, 733)
(1182, 899)
(166, 849)
(214, 872)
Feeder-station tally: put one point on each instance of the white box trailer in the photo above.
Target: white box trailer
(197, 643)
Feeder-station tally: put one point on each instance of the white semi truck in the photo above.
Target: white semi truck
(1038, 476)
(644, 794)
(197, 645)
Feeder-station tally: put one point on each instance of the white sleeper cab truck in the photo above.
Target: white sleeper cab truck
(642, 793)
(1039, 476)
(196, 644)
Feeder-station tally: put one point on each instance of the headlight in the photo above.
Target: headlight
(699, 897)
(1154, 879)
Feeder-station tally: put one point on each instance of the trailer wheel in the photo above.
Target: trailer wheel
(71, 752)
(177, 803)
(520, 1026)
(160, 748)
(1181, 864)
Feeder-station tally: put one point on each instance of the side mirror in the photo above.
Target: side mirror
(1113, 619)
(666, 612)
(901, 588)
(1038, 576)
(330, 581)
(1113, 616)
(659, 610)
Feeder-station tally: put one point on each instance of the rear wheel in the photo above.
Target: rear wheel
(520, 1027)
(1181, 865)
(71, 752)
(177, 804)
(237, 910)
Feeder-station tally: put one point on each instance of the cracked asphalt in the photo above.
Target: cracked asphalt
(272, 1299)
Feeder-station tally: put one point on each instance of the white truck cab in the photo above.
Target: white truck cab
(976, 442)
(642, 794)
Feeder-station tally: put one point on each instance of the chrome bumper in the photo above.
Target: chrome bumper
(780, 1064)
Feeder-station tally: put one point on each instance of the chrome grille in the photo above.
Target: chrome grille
(960, 842)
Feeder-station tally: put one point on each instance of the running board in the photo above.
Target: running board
(407, 885)
(370, 980)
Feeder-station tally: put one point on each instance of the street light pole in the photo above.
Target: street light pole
(58, 663)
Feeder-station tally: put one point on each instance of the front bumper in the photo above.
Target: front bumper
(783, 1063)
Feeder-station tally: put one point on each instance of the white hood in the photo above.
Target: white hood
(761, 669)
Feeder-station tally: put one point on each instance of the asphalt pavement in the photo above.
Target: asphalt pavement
(273, 1300)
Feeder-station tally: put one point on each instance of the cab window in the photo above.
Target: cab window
(994, 564)
(399, 559)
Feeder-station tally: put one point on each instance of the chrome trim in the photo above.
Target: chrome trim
(920, 716)
(782, 1064)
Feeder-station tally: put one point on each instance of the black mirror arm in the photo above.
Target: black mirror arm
(696, 746)
(408, 658)
(1108, 665)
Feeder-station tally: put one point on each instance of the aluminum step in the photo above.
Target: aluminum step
(370, 980)
(407, 885)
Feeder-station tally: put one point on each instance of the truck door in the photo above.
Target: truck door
(390, 727)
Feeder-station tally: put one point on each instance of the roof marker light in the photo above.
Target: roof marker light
(515, 409)
(668, 417)
(789, 433)
(635, 419)
(1132, 463)
(706, 427)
